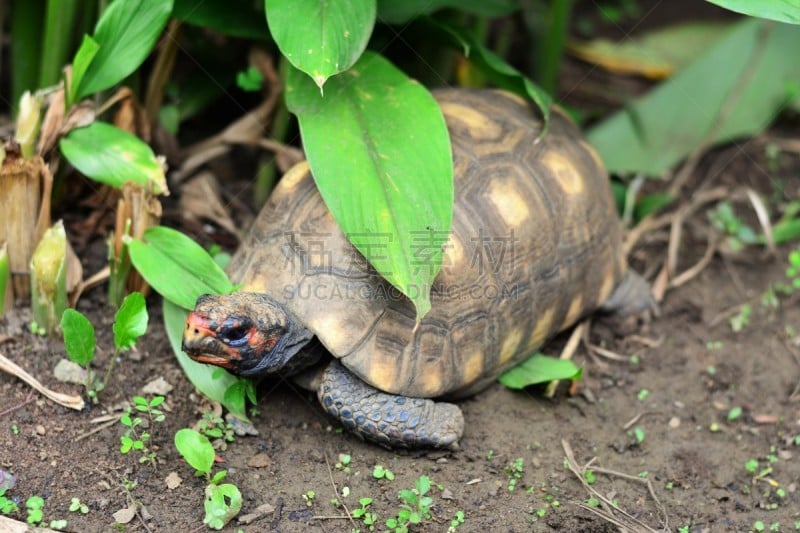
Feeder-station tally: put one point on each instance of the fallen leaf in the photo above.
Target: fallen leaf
(765, 419)
(656, 54)
(259, 460)
(200, 200)
(123, 516)
(158, 386)
(173, 480)
(257, 513)
(7, 480)
(146, 514)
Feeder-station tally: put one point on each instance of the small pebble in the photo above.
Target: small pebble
(173, 480)
(40, 430)
(158, 386)
(674, 422)
(259, 460)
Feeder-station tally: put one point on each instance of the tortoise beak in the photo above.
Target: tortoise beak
(201, 344)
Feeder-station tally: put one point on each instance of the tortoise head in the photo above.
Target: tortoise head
(246, 333)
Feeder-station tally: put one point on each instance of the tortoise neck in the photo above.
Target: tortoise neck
(287, 357)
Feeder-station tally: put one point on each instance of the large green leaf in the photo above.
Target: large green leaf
(177, 267)
(240, 18)
(780, 10)
(195, 449)
(130, 322)
(79, 337)
(80, 64)
(321, 37)
(733, 90)
(399, 11)
(113, 156)
(539, 369)
(213, 382)
(126, 32)
(380, 154)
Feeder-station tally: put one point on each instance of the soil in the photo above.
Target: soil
(678, 393)
(659, 415)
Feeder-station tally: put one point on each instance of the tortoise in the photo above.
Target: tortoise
(535, 245)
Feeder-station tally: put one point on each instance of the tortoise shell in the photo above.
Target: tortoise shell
(535, 244)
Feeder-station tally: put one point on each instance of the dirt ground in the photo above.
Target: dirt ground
(654, 424)
(660, 416)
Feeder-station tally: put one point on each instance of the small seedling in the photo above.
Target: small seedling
(309, 496)
(76, 505)
(249, 80)
(58, 525)
(734, 413)
(416, 506)
(7, 505)
(215, 427)
(344, 463)
(35, 507)
(643, 394)
(638, 434)
(514, 472)
(457, 520)
(741, 320)
(363, 512)
(589, 477)
(380, 472)
(738, 234)
(751, 466)
(132, 439)
(130, 323)
(223, 501)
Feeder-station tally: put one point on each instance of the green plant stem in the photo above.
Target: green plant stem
(59, 22)
(550, 48)
(279, 129)
(110, 369)
(26, 47)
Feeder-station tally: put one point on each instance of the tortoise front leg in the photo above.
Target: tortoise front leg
(388, 419)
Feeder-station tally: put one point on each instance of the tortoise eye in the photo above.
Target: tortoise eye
(234, 332)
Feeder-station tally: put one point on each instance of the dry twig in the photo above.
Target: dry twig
(338, 497)
(72, 402)
(610, 511)
(567, 353)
